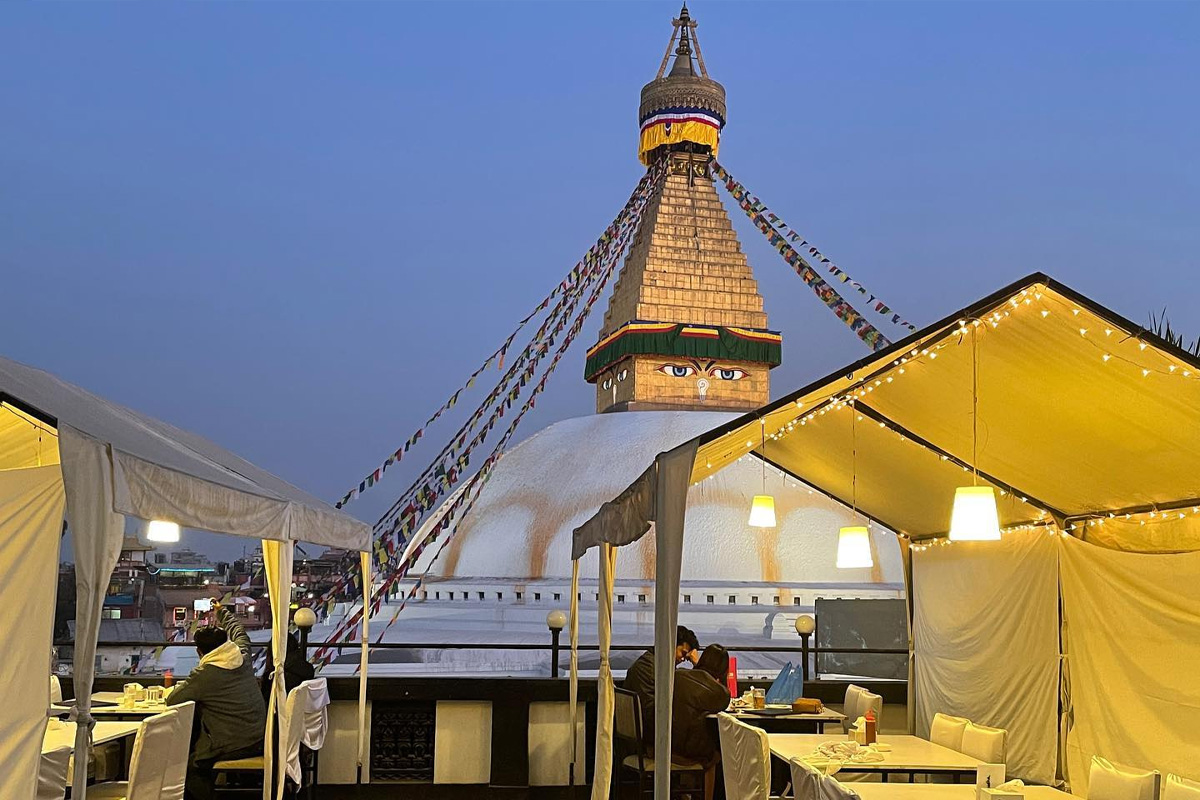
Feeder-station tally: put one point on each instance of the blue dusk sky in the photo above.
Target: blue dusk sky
(296, 227)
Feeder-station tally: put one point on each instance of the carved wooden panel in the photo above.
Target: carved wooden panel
(402, 741)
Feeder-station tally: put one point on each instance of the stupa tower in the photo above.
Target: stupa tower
(685, 327)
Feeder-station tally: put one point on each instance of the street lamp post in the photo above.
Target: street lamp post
(805, 625)
(304, 618)
(555, 621)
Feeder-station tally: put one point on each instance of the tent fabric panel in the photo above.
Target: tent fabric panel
(31, 514)
(985, 641)
(605, 696)
(1171, 532)
(97, 533)
(1131, 622)
(622, 520)
(25, 441)
(154, 441)
(904, 485)
(277, 560)
(670, 508)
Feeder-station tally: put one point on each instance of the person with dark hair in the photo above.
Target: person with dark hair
(230, 715)
(639, 678)
(296, 669)
(699, 692)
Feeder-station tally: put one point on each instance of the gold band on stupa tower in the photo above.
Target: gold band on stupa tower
(682, 109)
(685, 327)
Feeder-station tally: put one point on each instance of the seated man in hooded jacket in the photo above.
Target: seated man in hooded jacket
(230, 715)
(639, 678)
(700, 691)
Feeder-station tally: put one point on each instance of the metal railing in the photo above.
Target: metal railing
(809, 653)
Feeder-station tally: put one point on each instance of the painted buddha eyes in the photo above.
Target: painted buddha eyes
(608, 382)
(685, 371)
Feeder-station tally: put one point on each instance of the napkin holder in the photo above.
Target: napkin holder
(1001, 794)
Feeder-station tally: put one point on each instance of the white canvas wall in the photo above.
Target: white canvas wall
(985, 636)
(1133, 653)
(31, 514)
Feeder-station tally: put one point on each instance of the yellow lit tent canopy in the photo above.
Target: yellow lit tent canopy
(1088, 427)
(1082, 416)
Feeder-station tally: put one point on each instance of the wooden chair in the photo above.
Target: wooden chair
(633, 753)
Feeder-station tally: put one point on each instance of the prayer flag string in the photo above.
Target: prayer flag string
(762, 218)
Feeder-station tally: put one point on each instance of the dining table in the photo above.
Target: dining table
(944, 791)
(62, 734)
(775, 720)
(902, 754)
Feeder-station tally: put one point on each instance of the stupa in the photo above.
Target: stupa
(684, 347)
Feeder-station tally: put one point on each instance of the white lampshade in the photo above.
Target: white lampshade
(805, 624)
(556, 620)
(854, 548)
(160, 530)
(304, 617)
(762, 511)
(975, 518)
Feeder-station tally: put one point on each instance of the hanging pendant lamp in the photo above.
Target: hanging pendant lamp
(854, 541)
(762, 509)
(975, 517)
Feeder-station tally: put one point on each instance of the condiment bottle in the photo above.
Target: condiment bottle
(870, 733)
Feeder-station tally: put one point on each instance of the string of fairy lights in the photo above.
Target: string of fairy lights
(1112, 343)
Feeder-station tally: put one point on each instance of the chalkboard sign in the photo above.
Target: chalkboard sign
(862, 624)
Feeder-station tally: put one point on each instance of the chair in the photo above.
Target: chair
(947, 731)
(307, 711)
(627, 734)
(850, 706)
(153, 748)
(1179, 788)
(55, 691)
(52, 774)
(181, 752)
(806, 780)
(745, 759)
(868, 701)
(986, 744)
(1107, 781)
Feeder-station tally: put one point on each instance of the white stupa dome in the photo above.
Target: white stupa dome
(542, 489)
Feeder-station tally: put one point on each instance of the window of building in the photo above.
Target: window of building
(687, 598)
(424, 595)
(520, 595)
(537, 595)
(558, 596)
(499, 595)
(160, 558)
(753, 599)
(641, 598)
(481, 597)
(795, 601)
(437, 595)
(733, 599)
(776, 599)
(711, 599)
(466, 595)
(620, 598)
(180, 614)
(112, 613)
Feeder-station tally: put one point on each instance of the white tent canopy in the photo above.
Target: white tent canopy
(1089, 431)
(62, 445)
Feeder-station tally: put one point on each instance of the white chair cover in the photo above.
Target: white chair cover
(850, 706)
(52, 773)
(307, 717)
(151, 756)
(833, 789)
(745, 759)
(1107, 781)
(947, 731)
(1179, 788)
(984, 743)
(180, 751)
(869, 701)
(806, 780)
(55, 690)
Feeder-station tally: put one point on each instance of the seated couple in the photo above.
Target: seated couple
(699, 691)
